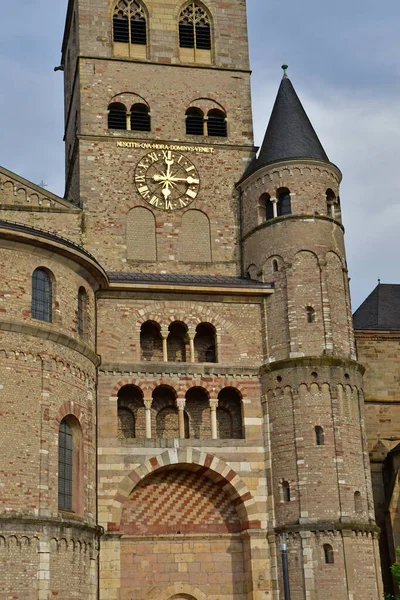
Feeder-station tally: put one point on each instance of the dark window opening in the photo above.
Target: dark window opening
(82, 312)
(328, 554)
(319, 436)
(310, 314)
(229, 414)
(151, 343)
(178, 343)
(138, 30)
(65, 466)
(285, 491)
(121, 28)
(216, 123)
(203, 36)
(284, 203)
(140, 118)
(42, 296)
(204, 343)
(275, 266)
(186, 34)
(194, 121)
(131, 413)
(358, 503)
(117, 116)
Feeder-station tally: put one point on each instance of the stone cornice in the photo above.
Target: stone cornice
(180, 369)
(312, 361)
(291, 218)
(47, 332)
(377, 334)
(330, 526)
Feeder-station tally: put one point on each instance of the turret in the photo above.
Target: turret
(319, 479)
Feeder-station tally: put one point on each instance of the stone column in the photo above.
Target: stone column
(147, 404)
(164, 336)
(274, 207)
(181, 403)
(214, 428)
(192, 335)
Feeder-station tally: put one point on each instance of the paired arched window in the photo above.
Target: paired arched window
(333, 205)
(216, 122)
(129, 29)
(284, 202)
(82, 312)
(42, 295)
(138, 119)
(195, 34)
(265, 208)
(70, 465)
(328, 554)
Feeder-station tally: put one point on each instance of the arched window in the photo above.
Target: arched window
(178, 342)
(358, 503)
(285, 487)
(194, 121)
(229, 414)
(284, 202)
(42, 295)
(82, 312)
(151, 343)
(205, 343)
(131, 413)
(310, 312)
(319, 436)
(195, 34)
(265, 208)
(165, 414)
(129, 26)
(117, 116)
(216, 123)
(275, 266)
(70, 465)
(328, 554)
(140, 118)
(198, 414)
(330, 203)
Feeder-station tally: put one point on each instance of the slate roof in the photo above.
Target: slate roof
(290, 134)
(195, 280)
(381, 310)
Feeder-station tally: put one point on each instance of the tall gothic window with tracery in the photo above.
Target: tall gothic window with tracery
(195, 33)
(129, 28)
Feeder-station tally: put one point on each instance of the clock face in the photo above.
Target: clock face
(167, 180)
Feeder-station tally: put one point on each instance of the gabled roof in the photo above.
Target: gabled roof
(290, 134)
(381, 310)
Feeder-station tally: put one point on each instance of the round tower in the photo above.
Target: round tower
(318, 481)
(48, 515)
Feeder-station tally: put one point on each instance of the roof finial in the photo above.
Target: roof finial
(379, 282)
(285, 68)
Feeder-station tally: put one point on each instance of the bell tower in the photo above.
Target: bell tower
(319, 478)
(158, 128)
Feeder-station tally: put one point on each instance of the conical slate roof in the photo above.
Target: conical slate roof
(381, 310)
(290, 134)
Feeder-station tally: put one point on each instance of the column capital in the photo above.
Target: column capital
(213, 403)
(181, 403)
(148, 403)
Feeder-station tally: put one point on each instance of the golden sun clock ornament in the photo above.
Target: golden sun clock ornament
(167, 180)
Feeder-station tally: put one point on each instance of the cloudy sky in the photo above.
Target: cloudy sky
(344, 59)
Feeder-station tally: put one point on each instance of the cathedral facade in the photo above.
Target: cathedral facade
(180, 390)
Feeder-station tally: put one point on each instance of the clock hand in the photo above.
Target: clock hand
(166, 192)
(189, 180)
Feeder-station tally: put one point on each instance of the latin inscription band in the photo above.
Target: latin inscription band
(154, 146)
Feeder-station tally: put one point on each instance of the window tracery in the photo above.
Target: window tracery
(129, 28)
(195, 33)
